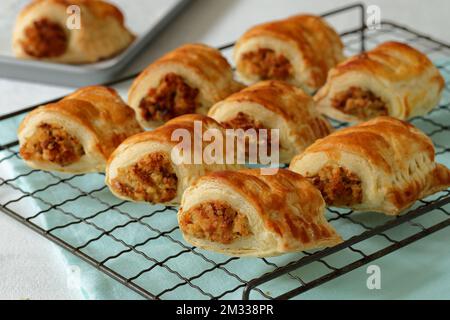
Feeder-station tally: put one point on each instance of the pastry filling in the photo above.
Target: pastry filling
(151, 179)
(172, 98)
(363, 104)
(52, 143)
(246, 122)
(215, 221)
(338, 186)
(266, 64)
(45, 39)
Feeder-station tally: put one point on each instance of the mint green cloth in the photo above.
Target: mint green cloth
(420, 270)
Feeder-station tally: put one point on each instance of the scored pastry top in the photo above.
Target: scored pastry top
(43, 31)
(99, 8)
(383, 165)
(285, 212)
(306, 42)
(392, 79)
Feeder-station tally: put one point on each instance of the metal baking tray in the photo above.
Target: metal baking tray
(158, 13)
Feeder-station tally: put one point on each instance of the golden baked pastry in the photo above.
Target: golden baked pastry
(300, 50)
(150, 167)
(41, 32)
(393, 79)
(190, 79)
(78, 133)
(244, 213)
(274, 105)
(383, 165)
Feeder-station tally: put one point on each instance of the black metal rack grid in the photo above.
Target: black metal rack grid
(55, 205)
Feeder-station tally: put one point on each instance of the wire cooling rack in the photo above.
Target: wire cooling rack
(160, 265)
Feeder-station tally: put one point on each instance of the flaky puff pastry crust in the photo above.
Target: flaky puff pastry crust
(277, 105)
(201, 67)
(285, 212)
(311, 45)
(161, 141)
(102, 35)
(394, 160)
(404, 78)
(95, 115)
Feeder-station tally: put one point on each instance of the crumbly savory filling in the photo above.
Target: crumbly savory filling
(338, 186)
(266, 64)
(44, 39)
(246, 122)
(172, 98)
(363, 104)
(52, 143)
(151, 179)
(215, 221)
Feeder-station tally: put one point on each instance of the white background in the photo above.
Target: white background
(30, 268)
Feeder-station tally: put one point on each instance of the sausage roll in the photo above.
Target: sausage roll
(152, 167)
(274, 105)
(42, 32)
(383, 165)
(189, 79)
(299, 50)
(78, 133)
(393, 79)
(244, 213)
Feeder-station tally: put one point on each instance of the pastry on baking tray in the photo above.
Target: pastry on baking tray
(299, 50)
(244, 213)
(42, 32)
(383, 165)
(78, 133)
(274, 105)
(152, 167)
(393, 79)
(190, 79)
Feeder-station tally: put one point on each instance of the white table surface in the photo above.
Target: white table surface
(30, 266)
